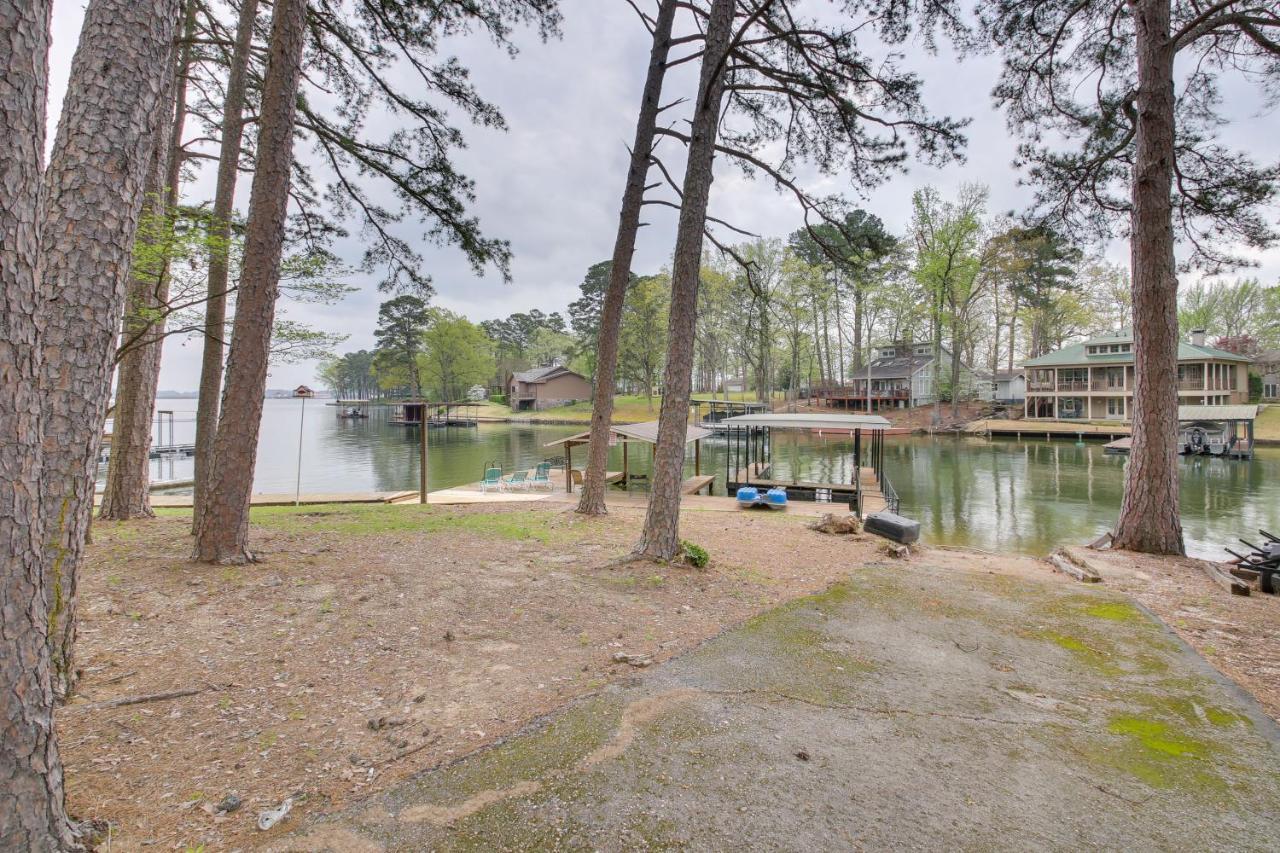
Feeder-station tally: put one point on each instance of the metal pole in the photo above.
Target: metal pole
(297, 491)
(422, 463)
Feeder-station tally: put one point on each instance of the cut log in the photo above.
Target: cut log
(1068, 567)
(1245, 574)
(1233, 585)
(1101, 543)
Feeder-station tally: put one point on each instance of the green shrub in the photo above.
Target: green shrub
(695, 555)
(1255, 387)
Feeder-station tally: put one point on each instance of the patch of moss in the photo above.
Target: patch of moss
(1115, 611)
(1156, 736)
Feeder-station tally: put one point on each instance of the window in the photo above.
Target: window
(1115, 407)
(1271, 389)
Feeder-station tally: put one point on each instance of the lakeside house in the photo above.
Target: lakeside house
(546, 387)
(1267, 365)
(1093, 379)
(901, 376)
(1010, 386)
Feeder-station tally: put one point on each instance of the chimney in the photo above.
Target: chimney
(1197, 337)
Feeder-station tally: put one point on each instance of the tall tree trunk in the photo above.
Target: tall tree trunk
(127, 493)
(90, 205)
(936, 368)
(215, 310)
(593, 486)
(661, 536)
(955, 366)
(32, 810)
(1149, 520)
(223, 535)
(1013, 329)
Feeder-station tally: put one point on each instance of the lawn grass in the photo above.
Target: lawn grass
(627, 408)
(1267, 426)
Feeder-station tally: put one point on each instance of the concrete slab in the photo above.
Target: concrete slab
(916, 709)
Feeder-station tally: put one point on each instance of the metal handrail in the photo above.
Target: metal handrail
(891, 499)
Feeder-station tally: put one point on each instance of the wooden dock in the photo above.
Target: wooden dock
(266, 499)
(1048, 429)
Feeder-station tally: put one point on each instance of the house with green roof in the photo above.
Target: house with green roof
(1093, 379)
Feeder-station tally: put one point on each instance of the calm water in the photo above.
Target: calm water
(997, 494)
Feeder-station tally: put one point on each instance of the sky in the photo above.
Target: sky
(552, 183)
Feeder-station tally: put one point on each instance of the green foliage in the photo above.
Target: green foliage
(694, 555)
(1255, 388)
(457, 354)
(642, 344)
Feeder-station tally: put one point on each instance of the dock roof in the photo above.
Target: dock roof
(1217, 413)
(646, 432)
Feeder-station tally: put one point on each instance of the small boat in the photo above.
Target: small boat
(352, 413)
(750, 496)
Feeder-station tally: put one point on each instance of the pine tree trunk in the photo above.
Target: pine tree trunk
(593, 486)
(90, 204)
(661, 536)
(32, 811)
(1149, 519)
(127, 493)
(223, 534)
(955, 367)
(215, 311)
(127, 490)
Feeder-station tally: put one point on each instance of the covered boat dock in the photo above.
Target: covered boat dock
(749, 460)
(626, 435)
(460, 413)
(1225, 431)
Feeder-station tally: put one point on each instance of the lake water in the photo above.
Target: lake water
(996, 494)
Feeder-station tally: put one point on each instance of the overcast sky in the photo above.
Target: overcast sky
(552, 184)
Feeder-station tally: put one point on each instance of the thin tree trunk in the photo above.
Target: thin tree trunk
(1149, 520)
(215, 311)
(593, 485)
(1013, 329)
(223, 535)
(955, 366)
(660, 538)
(127, 493)
(32, 810)
(90, 204)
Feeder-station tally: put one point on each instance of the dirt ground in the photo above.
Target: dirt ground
(375, 642)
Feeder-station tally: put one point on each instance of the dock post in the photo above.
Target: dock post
(422, 462)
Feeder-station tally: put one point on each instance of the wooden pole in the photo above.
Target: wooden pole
(568, 467)
(423, 459)
(626, 468)
(697, 457)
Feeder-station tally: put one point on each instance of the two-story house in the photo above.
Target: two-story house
(901, 376)
(1093, 380)
(546, 387)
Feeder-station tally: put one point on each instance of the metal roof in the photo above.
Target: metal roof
(646, 432)
(540, 374)
(1217, 413)
(872, 423)
(1077, 355)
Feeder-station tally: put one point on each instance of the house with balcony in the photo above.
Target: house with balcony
(546, 387)
(900, 376)
(1094, 380)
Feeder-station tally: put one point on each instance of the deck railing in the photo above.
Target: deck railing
(1073, 385)
(1196, 384)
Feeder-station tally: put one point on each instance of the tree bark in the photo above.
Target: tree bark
(90, 204)
(1149, 519)
(32, 810)
(593, 485)
(223, 534)
(660, 538)
(127, 493)
(215, 311)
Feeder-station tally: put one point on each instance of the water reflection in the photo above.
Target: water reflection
(997, 494)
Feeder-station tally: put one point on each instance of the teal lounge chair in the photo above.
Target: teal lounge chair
(518, 480)
(542, 476)
(492, 480)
